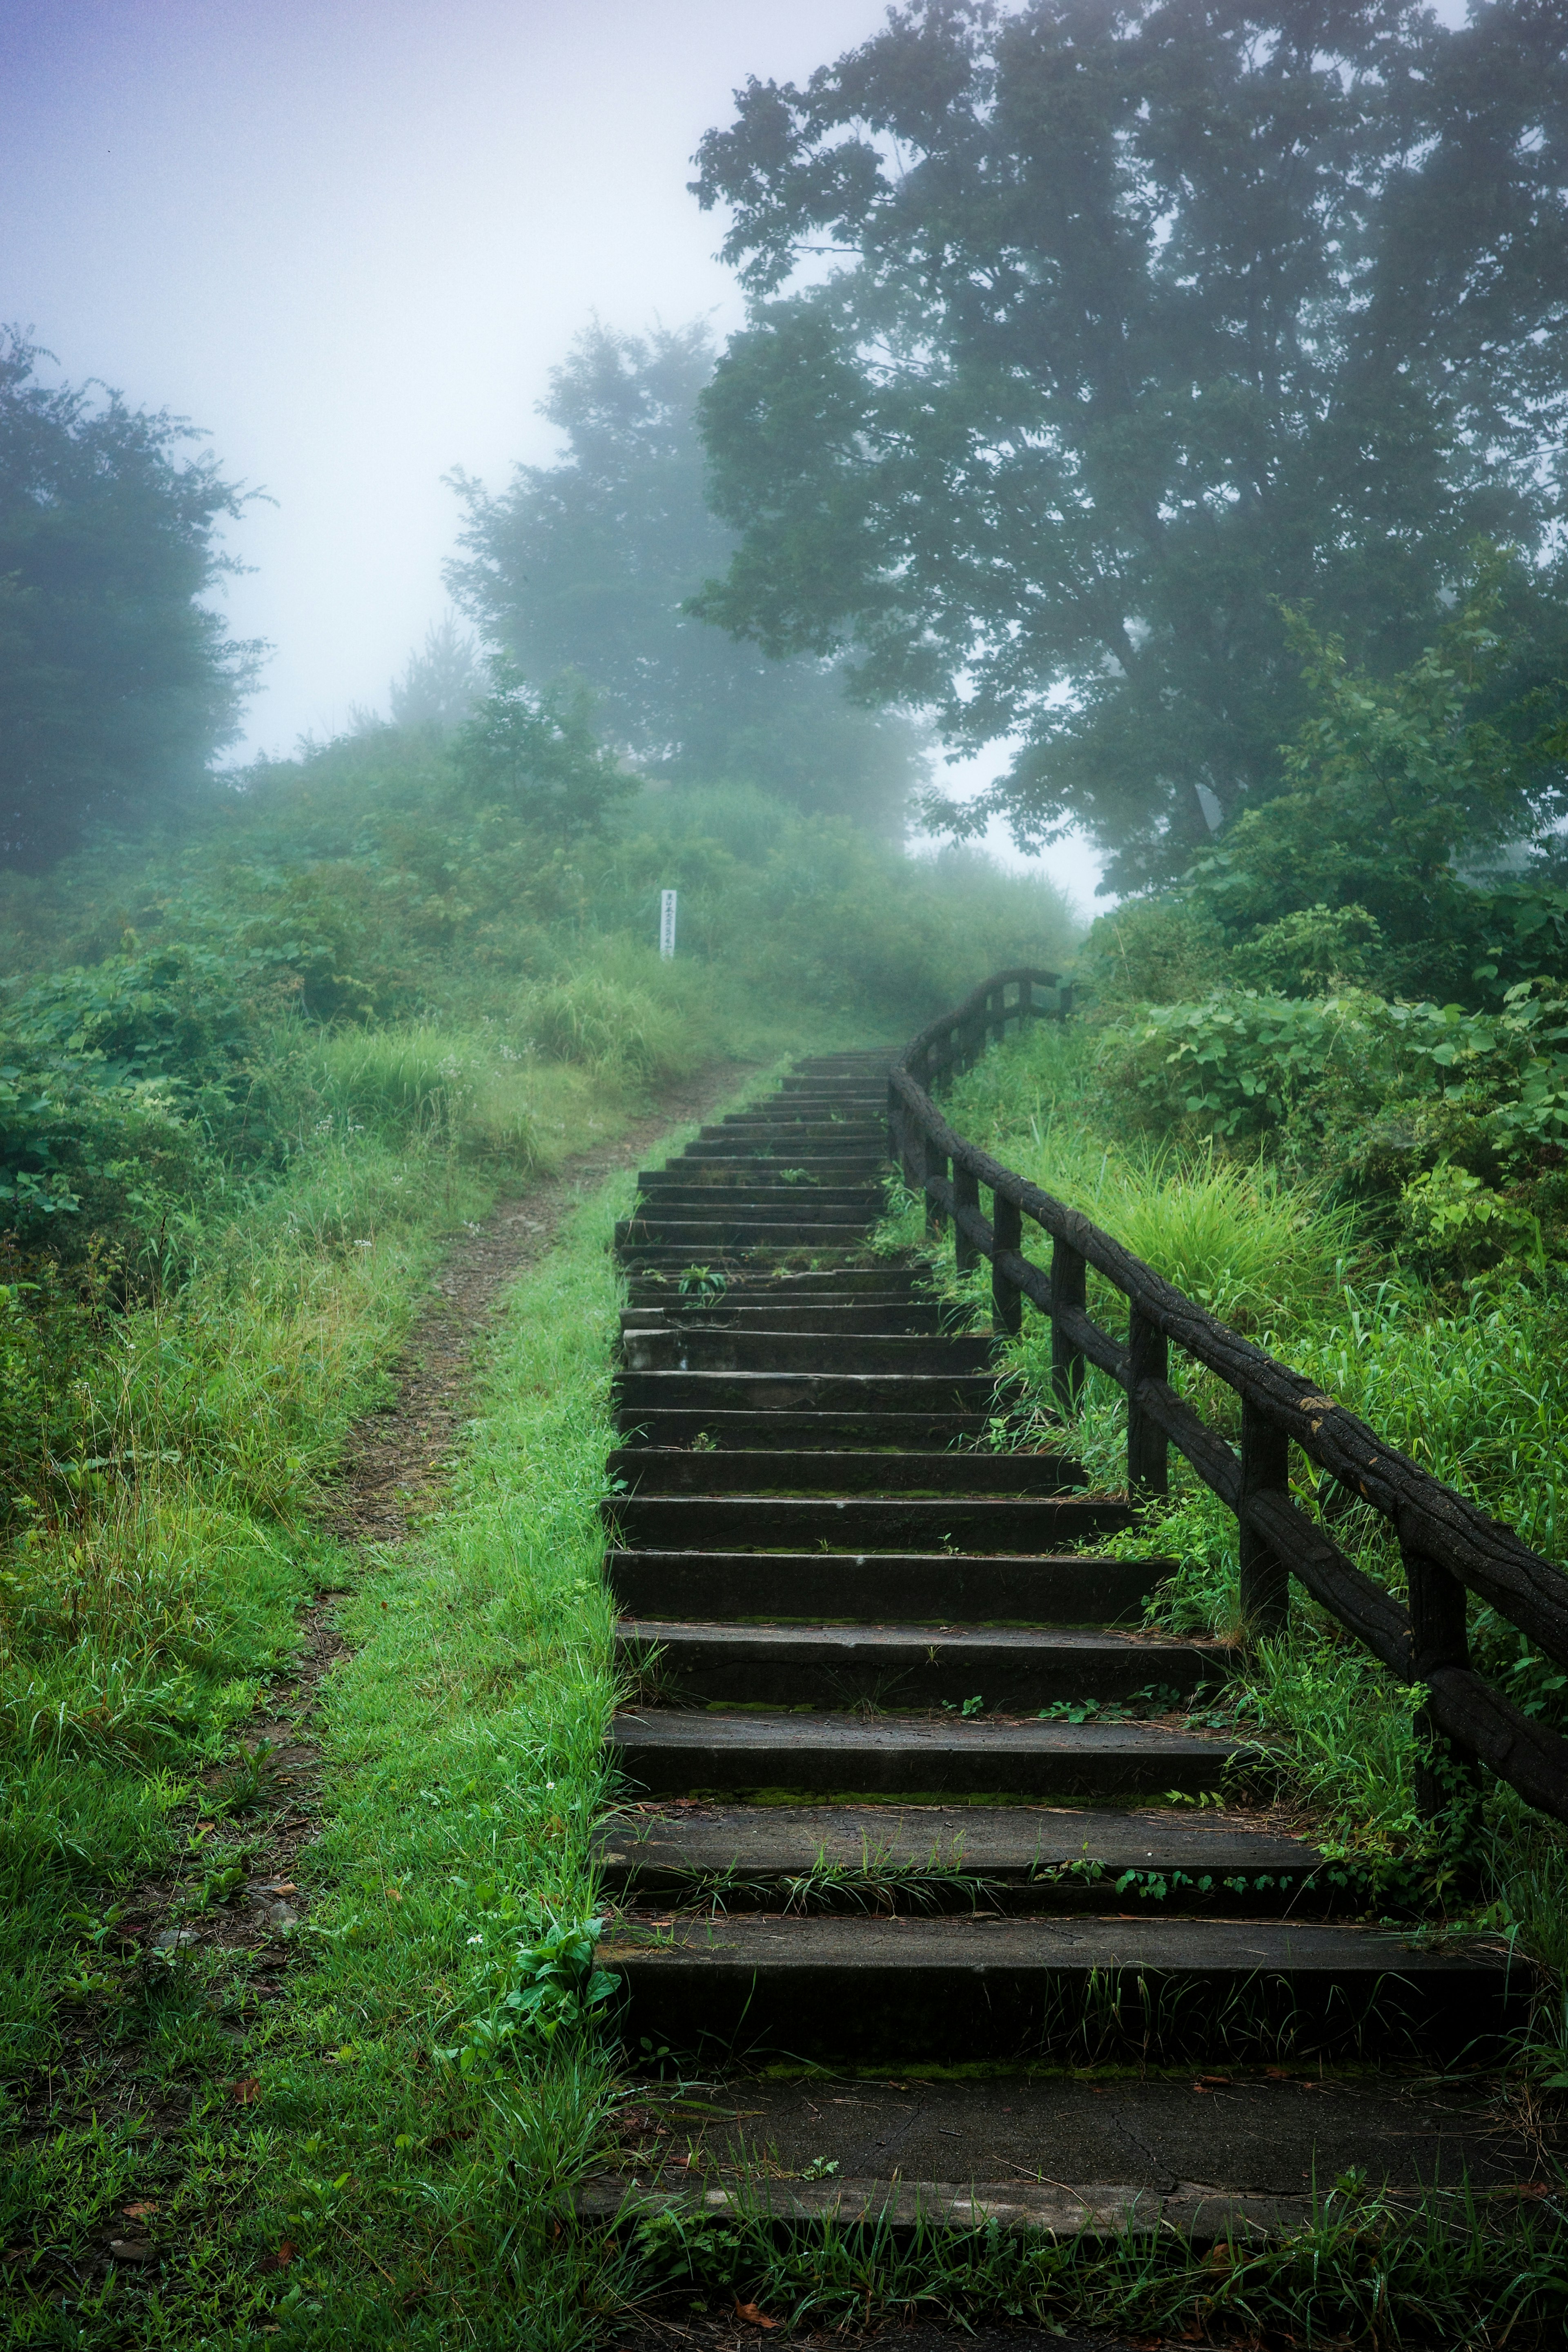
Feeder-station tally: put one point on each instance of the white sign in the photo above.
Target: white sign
(667, 922)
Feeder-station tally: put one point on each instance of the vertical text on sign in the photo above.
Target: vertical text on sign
(667, 922)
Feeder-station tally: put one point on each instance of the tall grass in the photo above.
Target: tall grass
(1474, 1390)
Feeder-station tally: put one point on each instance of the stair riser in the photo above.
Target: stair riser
(764, 1204)
(754, 1187)
(828, 1587)
(900, 1318)
(648, 1472)
(892, 2017)
(699, 1768)
(860, 1523)
(708, 1347)
(687, 1671)
(737, 1234)
(813, 1432)
(770, 1393)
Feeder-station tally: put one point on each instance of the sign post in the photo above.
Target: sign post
(667, 923)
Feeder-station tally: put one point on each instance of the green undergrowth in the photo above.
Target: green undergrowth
(1470, 1378)
(418, 2109)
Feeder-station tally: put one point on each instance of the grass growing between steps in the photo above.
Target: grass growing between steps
(1359, 2273)
(1473, 1384)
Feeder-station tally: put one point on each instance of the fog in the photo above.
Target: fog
(350, 241)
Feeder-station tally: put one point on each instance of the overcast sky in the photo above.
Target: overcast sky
(350, 238)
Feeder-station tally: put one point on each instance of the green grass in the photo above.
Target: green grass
(409, 2156)
(1474, 1385)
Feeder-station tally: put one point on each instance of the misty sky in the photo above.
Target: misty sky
(350, 240)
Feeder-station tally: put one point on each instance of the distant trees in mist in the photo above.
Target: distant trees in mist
(584, 569)
(118, 682)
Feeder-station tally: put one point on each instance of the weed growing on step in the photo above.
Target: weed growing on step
(1363, 2270)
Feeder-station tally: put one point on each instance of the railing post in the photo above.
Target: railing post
(966, 1196)
(1006, 1298)
(935, 1166)
(1447, 1772)
(1265, 1468)
(1148, 1447)
(1069, 1287)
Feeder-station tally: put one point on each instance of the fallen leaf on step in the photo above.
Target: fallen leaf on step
(752, 2316)
(246, 2094)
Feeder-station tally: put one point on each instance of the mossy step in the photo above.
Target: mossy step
(920, 1857)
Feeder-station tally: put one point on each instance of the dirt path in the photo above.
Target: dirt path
(266, 1805)
(394, 1459)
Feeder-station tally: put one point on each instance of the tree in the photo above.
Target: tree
(534, 754)
(1146, 319)
(584, 567)
(438, 685)
(117, 682)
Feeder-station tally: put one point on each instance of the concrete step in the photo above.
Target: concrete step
(929, 1857)
(925, 1393)
(1235, 2160)
(883, 1279)
(835, 1432)
(1013, 1670)
(862, 1523)
(702, 1344)
(876, 1588)
(675, 1752)
(892, 1992)
(673, 1470)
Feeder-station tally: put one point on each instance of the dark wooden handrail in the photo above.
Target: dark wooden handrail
(1448, 1546)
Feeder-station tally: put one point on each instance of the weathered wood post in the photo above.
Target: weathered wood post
(1148, 1448)
(1006, 1298)
(1447, 1770)
(1265, 1469)
(966, 1196)
(935, 1171)
(1069, 1287)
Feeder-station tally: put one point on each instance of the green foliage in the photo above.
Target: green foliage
(1046, 441)
(116, 682)
(534, 755)
(583, 569)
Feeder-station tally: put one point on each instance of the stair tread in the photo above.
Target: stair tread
(1026, 1640)
(852, 1736)
(772, 1941)
(1002, 1842)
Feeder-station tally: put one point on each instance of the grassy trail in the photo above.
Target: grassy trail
(287, 2103)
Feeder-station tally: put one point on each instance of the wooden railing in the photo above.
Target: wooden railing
(1448, 1547)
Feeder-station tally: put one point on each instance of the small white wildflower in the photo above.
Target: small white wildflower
(476, 1940)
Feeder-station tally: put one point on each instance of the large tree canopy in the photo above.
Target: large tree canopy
(117, 682)
(1135, 319)
(584, 568)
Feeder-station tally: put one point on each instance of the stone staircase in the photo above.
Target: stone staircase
(907, 1784)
